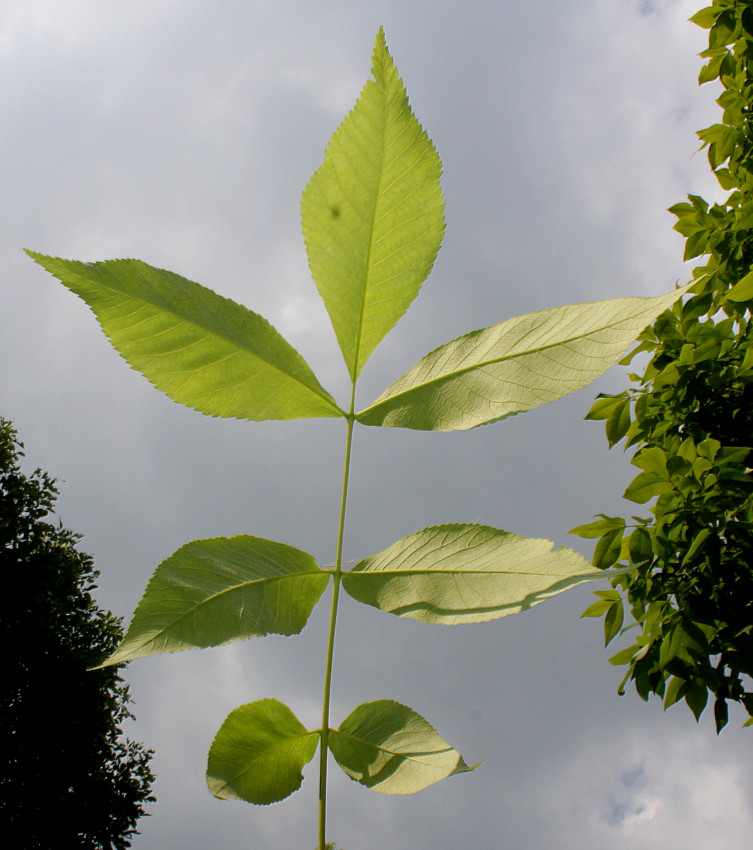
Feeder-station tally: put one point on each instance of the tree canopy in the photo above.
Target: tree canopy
(690, 414)
(68, 778)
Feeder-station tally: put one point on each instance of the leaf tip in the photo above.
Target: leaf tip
(35, 255)
(381, 57)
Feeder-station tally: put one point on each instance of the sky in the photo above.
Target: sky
(182, 132)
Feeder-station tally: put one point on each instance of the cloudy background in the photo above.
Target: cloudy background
(182, 132)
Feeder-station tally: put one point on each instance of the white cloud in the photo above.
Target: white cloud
(635, 788)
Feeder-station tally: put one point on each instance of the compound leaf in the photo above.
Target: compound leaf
(373, 214)
(258, 754)
(201, 349)
(490, 374)
(465, 573)
(390, 748)
(219, 590)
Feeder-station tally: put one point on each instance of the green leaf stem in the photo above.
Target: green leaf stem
(391, 749)
(201, 349)
(224, 589)
(490, 374)
(258, 754)
(465, 573)
(373, 214)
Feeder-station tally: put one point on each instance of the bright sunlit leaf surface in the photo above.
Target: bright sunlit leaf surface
(258, 754)
(514, 366)
(373, 214)
(390, 748)
(201, 349)
(465, 573)
(223, 589)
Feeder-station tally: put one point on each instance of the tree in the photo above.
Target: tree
(691, 417)
(68, 777)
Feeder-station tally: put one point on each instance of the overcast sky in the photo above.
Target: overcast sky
(182, 132)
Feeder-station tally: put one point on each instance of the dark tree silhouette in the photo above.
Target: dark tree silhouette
(68, 778)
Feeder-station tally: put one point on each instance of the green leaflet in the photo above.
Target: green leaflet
(202, 349)
(599, 527)
(220, 590)
(645, 486)
(465, 573)
(514, 366)
(373, 214)
(258, 754)
(390, 748)
(743, 290)
(616, 411)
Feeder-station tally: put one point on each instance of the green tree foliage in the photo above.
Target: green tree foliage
(373, 221)
(690, 414)
(68, 778)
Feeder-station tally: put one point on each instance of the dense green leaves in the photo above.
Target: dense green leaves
(390, 748)
(691, 417)
(258, 754)
(373, 214)
(514, 366)
(201, 349)
(223, 589)
(464, 573)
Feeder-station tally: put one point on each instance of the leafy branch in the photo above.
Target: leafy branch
(690, 415)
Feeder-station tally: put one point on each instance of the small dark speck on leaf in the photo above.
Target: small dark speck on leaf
(335, 212)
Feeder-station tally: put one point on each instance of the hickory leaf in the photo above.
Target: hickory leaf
(258, 754)
(224, 589)
(490, 374)
(201, 349)
(373, 214)
(465, 573)
(373, 221)
(390, 748)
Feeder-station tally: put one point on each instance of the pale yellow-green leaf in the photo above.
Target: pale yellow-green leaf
(465, 573)
(211, 592)
(391, 749)
(201, 349)
(514, 366)
(258, 754)
(373, 214)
